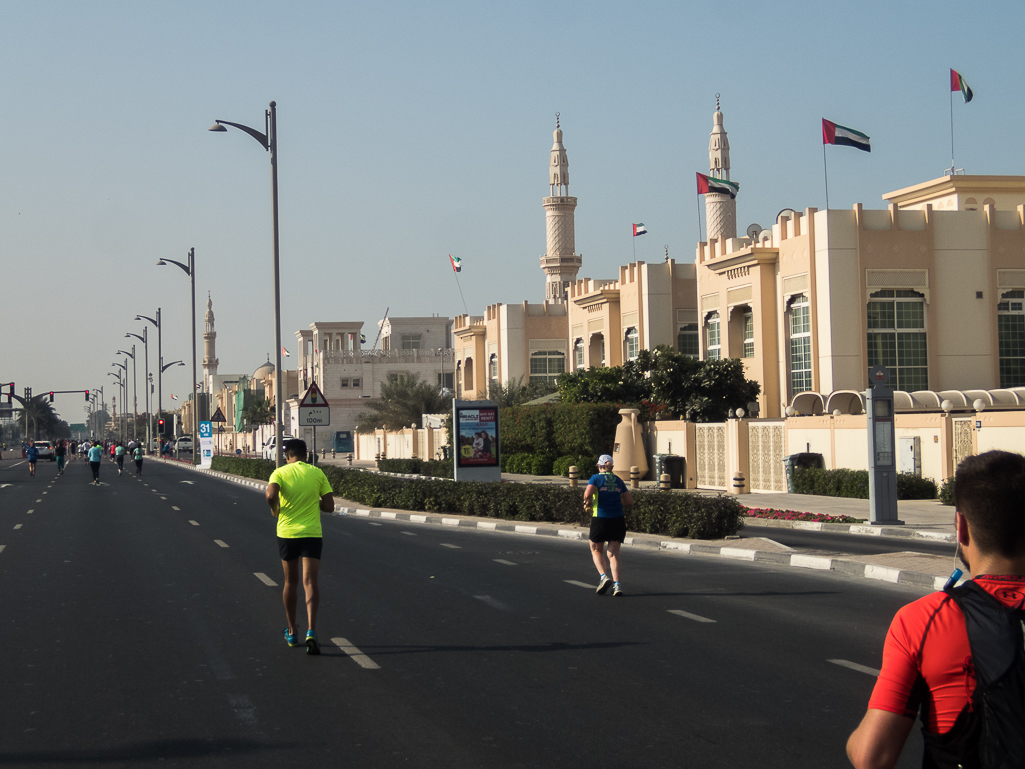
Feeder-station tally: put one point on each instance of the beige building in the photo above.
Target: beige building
(932, 287)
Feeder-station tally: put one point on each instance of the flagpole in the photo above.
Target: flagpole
(456, 276)
(634, 240)
(825, 174)
(697, 199)
(952, 166)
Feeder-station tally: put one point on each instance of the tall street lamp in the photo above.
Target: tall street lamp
(135, 392)
(190, 270)
(269, 141)
(149, 417)
(164, 368)
(160, 357)
(121, 386)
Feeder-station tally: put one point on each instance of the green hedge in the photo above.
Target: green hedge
(568, 428)
(675, 515)
(947, 492)
(426, 467)
(853, 484)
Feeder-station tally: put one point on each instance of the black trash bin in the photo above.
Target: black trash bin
(806, 460)
(676, 467)
(659, 466)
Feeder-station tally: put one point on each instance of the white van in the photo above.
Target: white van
(269, 446)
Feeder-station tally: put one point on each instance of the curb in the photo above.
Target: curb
(796, 560)
(859, 529)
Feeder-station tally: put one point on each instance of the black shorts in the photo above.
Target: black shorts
(608, 529)
(299, 547)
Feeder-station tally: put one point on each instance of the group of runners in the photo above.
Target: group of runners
(64, 451)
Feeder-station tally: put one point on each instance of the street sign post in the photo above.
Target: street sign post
(314, 412)
(206, 444)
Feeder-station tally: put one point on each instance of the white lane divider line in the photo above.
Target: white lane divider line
(39, 500)
(579, 584)
(408, 533)
(375, 524)
(17, 526)
(454, 547)
(244, 709)
(503, 561)
(29, 512)
(265, 579)
(688, 615)
(46, 492)
(2, 548)
(855, 666)
(357, 656)
(173, 507)
(493, 602)
(194, 523)
(164, 498)
(221, 542)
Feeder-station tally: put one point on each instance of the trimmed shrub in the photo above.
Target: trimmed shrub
(947, 491)
(676, 515)
(911, 486)
(853, 484)
(402, 466)
(541, 464)
(584, 428)
(561, 465)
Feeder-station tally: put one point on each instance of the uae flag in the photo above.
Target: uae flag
(457, 263)
(640, 229)
(285, 353)
(174, 397)
(833, 133)
(957, 83)
(710, 185)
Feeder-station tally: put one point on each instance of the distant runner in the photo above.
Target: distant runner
(297, 494)
(33, 454)
(119, 457)
(95, 455)
(60, 450)
(604, 498)
(137, 455)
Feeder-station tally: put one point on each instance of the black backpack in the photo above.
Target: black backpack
(990, 732)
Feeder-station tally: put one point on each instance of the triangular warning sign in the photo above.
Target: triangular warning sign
(313, 397)
(218, 416)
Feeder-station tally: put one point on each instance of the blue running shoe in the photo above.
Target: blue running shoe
(290, 638)
(312, 644)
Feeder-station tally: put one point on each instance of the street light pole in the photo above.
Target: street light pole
(135, 392)
(160, 358)
(269, 141)
(149, 416)
(190, 270)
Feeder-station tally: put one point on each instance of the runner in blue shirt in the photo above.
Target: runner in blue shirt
(33, 455)
(604, 498)
(95, 455)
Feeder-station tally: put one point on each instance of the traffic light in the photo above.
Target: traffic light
(51, 396)
(160, 427)
(86, 396)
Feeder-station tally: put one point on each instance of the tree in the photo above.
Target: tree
(258, 412)
(515, 393)
(403, 402)
(43, 420)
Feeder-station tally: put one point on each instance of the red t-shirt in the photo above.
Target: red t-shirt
(926, 657)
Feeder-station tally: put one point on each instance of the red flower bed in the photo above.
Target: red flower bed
(793, 515)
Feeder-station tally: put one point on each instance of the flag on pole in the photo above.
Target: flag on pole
(362, 338)
(833, 133)
(640, 229)
(957, 83)
(285, 352)
(199, 386)
(174, 397)
(457, 263)
(709, 184)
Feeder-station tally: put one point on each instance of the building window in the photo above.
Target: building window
(546, 365)
(578, 353)
(445, 381)
(396, 378)
(799, 326)
(633, 344)
(687, 341)
(749, 334)
(713, 345)
(411, 341)
(344, 382)
(1011, 338)
(896, 338)
(493, 368)
(355, 382)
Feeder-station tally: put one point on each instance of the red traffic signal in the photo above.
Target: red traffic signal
(86, 396)
(160, 426)
(51, 396)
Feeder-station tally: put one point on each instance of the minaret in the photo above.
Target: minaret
(720, 209)
(209, 347)
(560, 263)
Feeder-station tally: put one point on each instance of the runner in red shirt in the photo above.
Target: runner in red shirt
(926, 656)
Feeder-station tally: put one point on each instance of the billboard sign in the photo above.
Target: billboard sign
(476, 435)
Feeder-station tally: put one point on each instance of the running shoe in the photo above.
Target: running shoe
(604, 585)
(617, 590)
(291, 638)
(312, 644)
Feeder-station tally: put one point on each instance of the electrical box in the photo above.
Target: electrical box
(910, 455)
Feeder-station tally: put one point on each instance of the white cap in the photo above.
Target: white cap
(604, 459)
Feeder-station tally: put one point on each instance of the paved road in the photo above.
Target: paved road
(139, 632)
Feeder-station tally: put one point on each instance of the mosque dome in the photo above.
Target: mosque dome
(265, 370)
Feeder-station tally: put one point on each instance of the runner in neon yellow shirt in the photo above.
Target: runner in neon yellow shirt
(297, 494)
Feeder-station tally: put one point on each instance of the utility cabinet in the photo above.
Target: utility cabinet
(910, 455)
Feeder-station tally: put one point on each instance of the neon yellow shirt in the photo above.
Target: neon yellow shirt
(300, 487)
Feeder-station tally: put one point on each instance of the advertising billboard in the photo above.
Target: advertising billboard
(476, 435)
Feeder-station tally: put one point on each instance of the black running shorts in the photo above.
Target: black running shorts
(299, 547)
(608, 529)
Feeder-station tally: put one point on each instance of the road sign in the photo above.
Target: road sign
(206, 430)
(313, 408)
(218, 416)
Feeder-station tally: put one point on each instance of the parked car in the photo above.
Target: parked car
(45, 450)
(184, 444)
(155, 446)
(269, 448)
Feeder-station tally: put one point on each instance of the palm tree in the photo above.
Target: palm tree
(403, 401)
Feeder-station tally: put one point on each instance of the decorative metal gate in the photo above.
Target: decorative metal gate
(711, 456)
(766, 449)
(963, 444)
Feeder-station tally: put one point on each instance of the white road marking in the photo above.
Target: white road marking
(688, 615)
(164, 498)
(2, 548)
(357, 656)
(46, 492)
(176, 508)
(454, 547)
(5, 485)
(194, 523)
(578, 583)
(375, 524)
(29, 512)
(856, 666)
(191, 483)
(503, 561)
(39, 500)
(220, 542)
(244, 709)
(17, 526)
(408, 533)
(265, 579)
(493, 603)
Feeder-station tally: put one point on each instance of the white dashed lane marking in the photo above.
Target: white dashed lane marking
(357, 656)
(265, 579)
(176, 508)
(164, 498)
(855, 666)
(688, 615)
(29, 512)
(2, 548)
(221, 542)
(408, 533)
(39, 500)
(493, 603)
(579, 584)
(454, 547)
(503, 562)
(375, 524)
(17, 526)
(194, 523)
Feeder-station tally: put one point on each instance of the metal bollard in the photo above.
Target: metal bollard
(635, 477)
(573, 476)
(350, 460)
(739, 483)
(663, 482)
(377, 457)
(332, 453)
(323, 453)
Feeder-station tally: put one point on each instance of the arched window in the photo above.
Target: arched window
(578, 353)
(713, 339)
(493, 368)
(799, 358)
(633, 345)
(749, 333)
(897, 338)
(1011, 338)
(546, 365)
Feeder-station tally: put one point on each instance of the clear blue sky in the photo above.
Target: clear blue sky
(409, 131)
